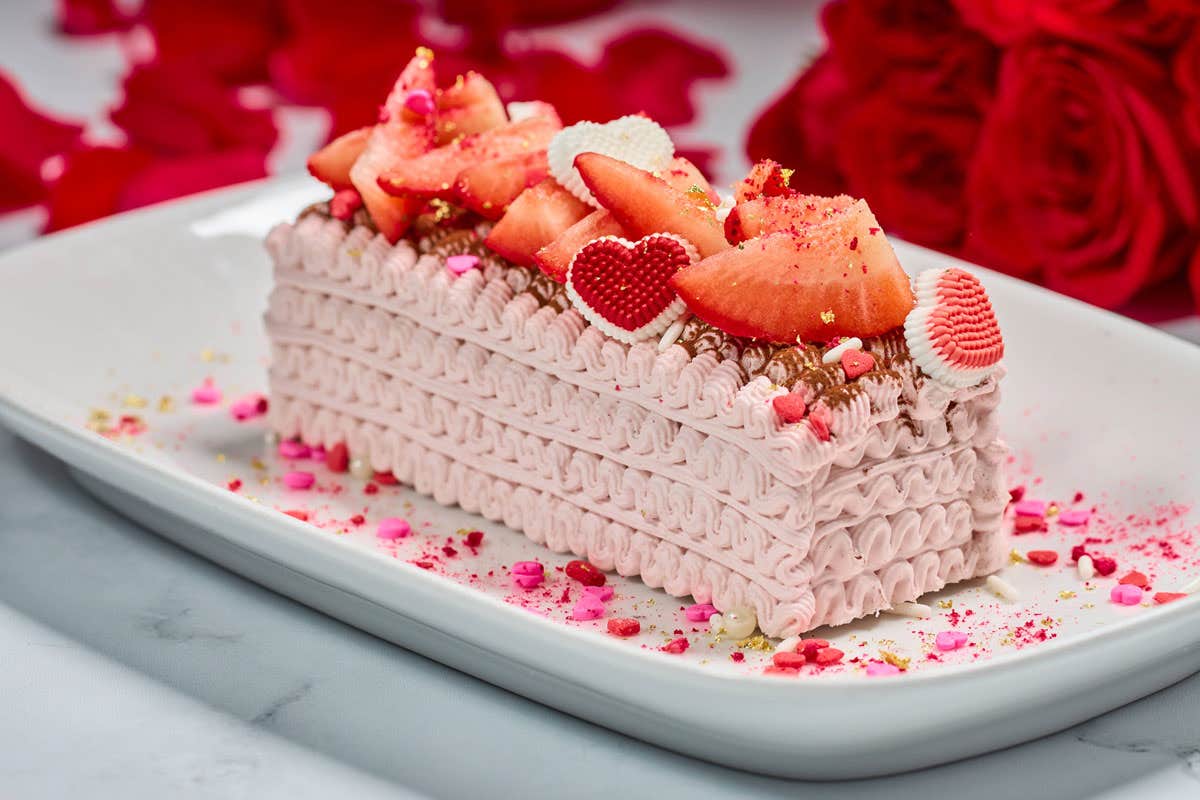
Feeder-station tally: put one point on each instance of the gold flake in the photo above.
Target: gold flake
(134, 401)
(257, 463)
(945, 604)
(756, 642)
(355, 252)
(426, 56)
(787, 174)
(1089, 605)
(165, 404)
(207, 355)
(827, 317)
(896, 661)
(220, 458)
(1066, 594)
(1016, 557)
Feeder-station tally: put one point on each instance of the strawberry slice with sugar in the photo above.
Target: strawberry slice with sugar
(766, 178)
(399, 138)
(488, 188)
(785, 287)
(537, 217)
(790, 213)
(645, 204)
(331, 164)
(470, 105)
(434, 173)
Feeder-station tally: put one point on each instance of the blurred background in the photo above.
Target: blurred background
(1055, 140)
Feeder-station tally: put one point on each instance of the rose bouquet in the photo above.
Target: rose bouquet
(1056, 140)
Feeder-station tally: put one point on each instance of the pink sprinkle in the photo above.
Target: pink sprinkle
(393, 528)
(206, 394)
(879, 669)
(588, 607)
(601, 593)
(250, 406)
(527, 574)
(317, 454)
(700, 612)
(462, 263)
(291, 449)
(1030, 508)
(299, 480)
(1076, 516)
(950, 640)
(420, 102)
(1126, 594)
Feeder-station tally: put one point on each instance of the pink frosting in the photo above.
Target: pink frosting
(660, 465)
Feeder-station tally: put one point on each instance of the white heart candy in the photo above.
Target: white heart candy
(636, 140)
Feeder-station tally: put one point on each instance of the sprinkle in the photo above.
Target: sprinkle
(1191, 587)
(248, 407)
(1135, 578)
(716, 624)
(1126, 595)
(950, 640)
(792, 643)
(1162, 598)
(134, 401)
(298, 479)
(587, 607)
(360, 469)
(896, 661)
(393, 528)
(337, 458)
(1066, 594)
(789, 407)
(811, 647)
(914, 610)
(1075, 517)
(234, 484)
(676, 646)
(856, 363)
(1043, 558)
(737, 656)
(527, 574)
(700, 612)
(788, 660)
(206, 394)
(386, 478)
(1002, 588)
(289, 448)
(464, 262)
(1087, 567)
(879, 669)
(834, 354)
(474, 538)
(420, 102)
(297, 514)
(1105, 565)
(624, 627)
(1030, 508)
(601, 593)
(828, 656)
(671, 335)
(585, 573)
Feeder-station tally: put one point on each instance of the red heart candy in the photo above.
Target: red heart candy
(856, 363)
(952, 333)
(624, 287)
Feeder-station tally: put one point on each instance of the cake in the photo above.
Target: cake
(564, 329)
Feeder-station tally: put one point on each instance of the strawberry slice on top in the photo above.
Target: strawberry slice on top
(469, 105)
(836, 279)
(537, 217)
(331, 164)
(489, 187)
(399, 137)
(790, 213)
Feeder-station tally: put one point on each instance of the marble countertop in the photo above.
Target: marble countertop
(132, 668)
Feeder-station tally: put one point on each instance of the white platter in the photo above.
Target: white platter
(149, 304)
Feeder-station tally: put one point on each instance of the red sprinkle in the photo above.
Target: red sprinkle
(789, 660)
(1028, 524)
(386, 479)
(1078, 552)
(449, 551)
(810, 647)
(585, 573)
(1016, 493)
(424, 564)
(624, 626)
(1105, 565)
(783, 672)
(337, 458)
(827, 656)
(1135, 578)
(474, 538)
(1043, 558)
(371, 488)
(234, 485)
(789, 407)
(298, 514)
(737, 656)
(676, 646)
(357, 519)
(1162, 598)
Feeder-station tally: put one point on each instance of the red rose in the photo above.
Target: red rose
(90, 17)
(1187, 77)
(1081, 175)
(229, 39)
(27, 139)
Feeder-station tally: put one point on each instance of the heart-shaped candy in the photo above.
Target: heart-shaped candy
(634, 139)
(624, 288)
(952, 332)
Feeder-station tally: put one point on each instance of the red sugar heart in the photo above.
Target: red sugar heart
(856, 363)
(624, 287)
(952, 333)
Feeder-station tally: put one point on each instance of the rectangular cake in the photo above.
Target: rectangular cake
(746, 404)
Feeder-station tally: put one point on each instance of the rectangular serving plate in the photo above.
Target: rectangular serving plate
(1093, 401)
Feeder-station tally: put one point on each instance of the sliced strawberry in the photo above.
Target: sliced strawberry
(471, 105)
(331, 164)
(790, 213)
(488, 188)
(399, 138)
(766, 178)
(433, 174)
(537, 217)
(837, 279)
(554, 258)
(644, 204)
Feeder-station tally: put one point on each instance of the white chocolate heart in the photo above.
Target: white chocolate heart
(636, 140)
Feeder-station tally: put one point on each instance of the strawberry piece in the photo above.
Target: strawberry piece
(585, 573)
(789, 660)
(538, 216)
(331, 164)
(789, 407)
(644, 204)
(793, 213)
(397, 140)
(337, 458)
(488, 188)
(766, 177)
(624, 627)
(784, 288)
(1043, 558)
(433, 174)
(555, 258)
(471, 105)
